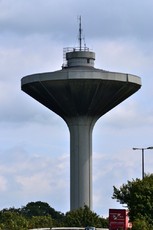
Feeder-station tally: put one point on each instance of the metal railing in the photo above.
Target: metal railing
(72, 49)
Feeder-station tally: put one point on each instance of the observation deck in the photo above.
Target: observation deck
(79, 56)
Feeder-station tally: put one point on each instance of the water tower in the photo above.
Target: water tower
(80, 94)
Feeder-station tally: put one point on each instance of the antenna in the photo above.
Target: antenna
(80, 34)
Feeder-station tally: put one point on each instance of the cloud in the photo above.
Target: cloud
(114, 19)
(33, 176)
(34, 145)
(41, 18)
(3, 184)
(120, 20)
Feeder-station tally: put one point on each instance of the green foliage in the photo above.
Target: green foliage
(12, 220)
(84, 217)
(40, 215)
(138, 195)
(40, 222)
(141, 224)
(40, 209)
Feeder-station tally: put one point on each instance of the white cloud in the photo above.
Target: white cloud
(34, 177)
(34, 145)
(3, 184)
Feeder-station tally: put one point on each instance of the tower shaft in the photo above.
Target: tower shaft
(80, 161)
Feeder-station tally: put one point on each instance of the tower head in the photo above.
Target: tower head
(80, 56)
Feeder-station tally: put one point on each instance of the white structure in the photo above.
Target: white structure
(80, 94)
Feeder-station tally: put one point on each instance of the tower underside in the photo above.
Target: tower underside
(80, 95)
(81, 91)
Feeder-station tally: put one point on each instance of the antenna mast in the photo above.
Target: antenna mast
(80, 34)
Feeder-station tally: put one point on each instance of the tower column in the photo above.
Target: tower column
(80, 161)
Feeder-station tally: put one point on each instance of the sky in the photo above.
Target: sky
(34, 141)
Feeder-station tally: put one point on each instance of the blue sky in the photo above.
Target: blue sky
(34, 142)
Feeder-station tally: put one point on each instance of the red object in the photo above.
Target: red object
(118, 219)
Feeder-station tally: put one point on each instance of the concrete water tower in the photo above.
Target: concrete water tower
(80, 94)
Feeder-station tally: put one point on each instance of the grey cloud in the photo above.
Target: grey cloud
(113, 20)
(32, 36)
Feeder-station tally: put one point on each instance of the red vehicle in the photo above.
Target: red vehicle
(118, 219)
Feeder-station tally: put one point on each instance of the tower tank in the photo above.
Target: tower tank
(80, 94)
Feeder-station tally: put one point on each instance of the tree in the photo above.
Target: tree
(13, 221)
(84, 217)
(138, 196)
(39, 215)
(40, 222)
(141, 224)
(39, 208)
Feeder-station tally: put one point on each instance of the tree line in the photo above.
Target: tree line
(41, 215)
